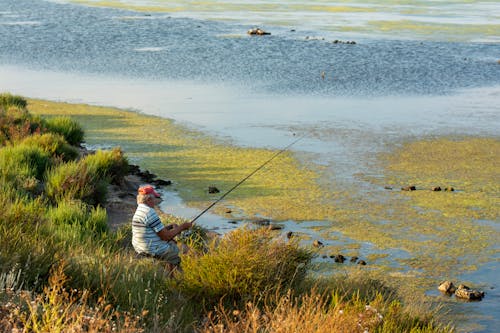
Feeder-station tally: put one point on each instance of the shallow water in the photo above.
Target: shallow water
(197, 65)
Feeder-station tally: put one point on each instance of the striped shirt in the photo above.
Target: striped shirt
(145, 224)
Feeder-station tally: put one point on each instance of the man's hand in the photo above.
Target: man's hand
(170, 231)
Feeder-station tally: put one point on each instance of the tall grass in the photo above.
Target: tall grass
(67, 127)
(314, 312)
(23, 166)
(23, 248)
(8, 100)
(61, 308)
(54, 144)
(111, 165)
(74, 181)
(76, 213)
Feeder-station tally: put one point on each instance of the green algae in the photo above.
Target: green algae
(282, 190)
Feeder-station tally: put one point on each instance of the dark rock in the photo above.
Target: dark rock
(362, 262)
(338, 41)
(436, 188)
(465, 292)
(232, 222)
(449, 189)
(388, 187)
(228, 211)
(293, 30)
(324, 256)
(354, 259)
(317, 243)
(134, 169)
(213, 189)
(146, 176)
(275, 227)
(161, 182)
(408, 188)
(262, 222)
(447, 287)
(289, 234)
(339, 258)
(258, 32)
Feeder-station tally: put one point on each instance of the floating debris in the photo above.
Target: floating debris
(258, 32)
(408, 188)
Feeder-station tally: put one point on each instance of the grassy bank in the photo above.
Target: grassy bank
(63, 270)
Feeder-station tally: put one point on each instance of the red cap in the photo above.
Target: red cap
(148, 189)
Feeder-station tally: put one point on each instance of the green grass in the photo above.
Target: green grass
(67, 127)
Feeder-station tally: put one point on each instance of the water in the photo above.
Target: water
(418, 68)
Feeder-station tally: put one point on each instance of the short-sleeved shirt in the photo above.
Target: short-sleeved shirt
(145, 225)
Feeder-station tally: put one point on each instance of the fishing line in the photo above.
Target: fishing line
(243, 180)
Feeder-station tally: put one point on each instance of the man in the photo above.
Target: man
(149, 236)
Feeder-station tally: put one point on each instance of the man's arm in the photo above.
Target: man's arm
(167, 234)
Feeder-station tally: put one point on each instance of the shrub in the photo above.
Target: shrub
(23, 166)
(243, 264)
(7, 100)
(74, 181)
(54, 144)
(110, 165)
(17, 123)
(67, 127)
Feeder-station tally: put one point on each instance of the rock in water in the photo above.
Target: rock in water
(447, 287)
(408, 188)
(258, 32)
(465, 292)
(213, 189)
(317, 243)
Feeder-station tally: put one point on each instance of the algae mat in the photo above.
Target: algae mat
(284, 189)
(420, 233)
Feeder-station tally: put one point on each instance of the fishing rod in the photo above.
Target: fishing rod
(243, 180)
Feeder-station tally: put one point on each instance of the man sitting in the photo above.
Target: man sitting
(149, 236)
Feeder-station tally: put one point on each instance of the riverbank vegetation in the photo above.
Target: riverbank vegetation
(62, 269)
